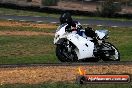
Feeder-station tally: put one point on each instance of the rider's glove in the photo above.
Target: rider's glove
(68, 29)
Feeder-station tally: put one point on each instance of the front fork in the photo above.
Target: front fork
(68, 46)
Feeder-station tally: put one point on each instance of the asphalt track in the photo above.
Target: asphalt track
(47, 19)
(66, 64)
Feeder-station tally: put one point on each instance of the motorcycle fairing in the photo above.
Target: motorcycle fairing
(101, 33)
(84, 48)
(60, 32)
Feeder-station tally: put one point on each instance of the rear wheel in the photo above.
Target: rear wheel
(111, 53)
(66, 53)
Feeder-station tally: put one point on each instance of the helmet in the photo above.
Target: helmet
(66, 18)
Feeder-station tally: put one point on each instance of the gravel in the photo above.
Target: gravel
(42, 74)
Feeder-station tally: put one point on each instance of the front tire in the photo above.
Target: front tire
(63, 55)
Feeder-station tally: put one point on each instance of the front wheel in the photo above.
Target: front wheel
(63, 54)
(111, 53)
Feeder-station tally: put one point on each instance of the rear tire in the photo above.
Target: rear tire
(116, 56)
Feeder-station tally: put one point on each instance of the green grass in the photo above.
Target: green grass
(27, 49)
(63, 85)
(40, 49)
(24, 12)
(33, 13)
(21, 28)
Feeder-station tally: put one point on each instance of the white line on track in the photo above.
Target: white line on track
(99, 25)
(85, 24)
(22, 20)
(39, 21)
(54, 22)
(9, 19)
(114, 26)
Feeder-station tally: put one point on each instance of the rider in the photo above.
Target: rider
(76, 26)
(72, 25)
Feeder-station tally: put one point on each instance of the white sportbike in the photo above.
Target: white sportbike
(71, 47)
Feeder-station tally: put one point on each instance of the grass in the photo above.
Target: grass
(63, 85)
(24, 12)
(40, 48)
(21, 28)
(33, 13)
(27, 49)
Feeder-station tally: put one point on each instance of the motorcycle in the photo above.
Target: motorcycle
(71, 47)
